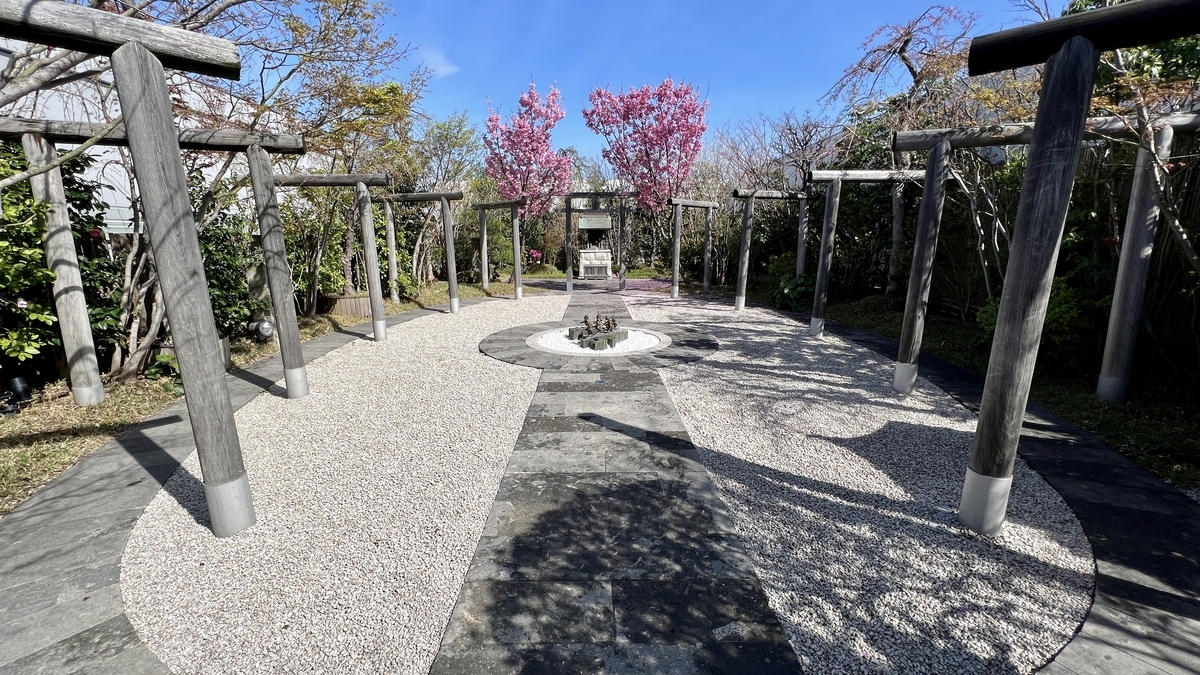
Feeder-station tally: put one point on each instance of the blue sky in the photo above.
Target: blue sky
(769, 56)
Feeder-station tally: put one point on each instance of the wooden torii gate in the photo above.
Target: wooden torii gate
(39, 139)
(748, 197)
(1137, 241)
(513, 205)
(366, 220)
(833, 194)
(447, 227)
(138, 50)
(1071, 48)
(676, 233)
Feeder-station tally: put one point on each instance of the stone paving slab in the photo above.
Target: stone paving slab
(607, 549)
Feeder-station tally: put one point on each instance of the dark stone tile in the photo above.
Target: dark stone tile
(616, 659)
(514, 612)
(692, 611)
(110, 646)
(558, 461)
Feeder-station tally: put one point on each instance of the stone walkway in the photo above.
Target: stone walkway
(607, 548)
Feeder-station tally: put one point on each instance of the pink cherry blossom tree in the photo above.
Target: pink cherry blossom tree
(653, 136)
(520, 157)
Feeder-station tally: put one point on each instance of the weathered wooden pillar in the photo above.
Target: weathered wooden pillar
(801, 237)
(929, 221)
(833, 194)
(1137, 243)
(893, 280)
(1037, 233)
(708, 222)
(154, 145)
(568, 246)
(624, 225)
(279, 272)
(739, 299)
(451, 265)
(70, 305)
(516, 225)
(676, 234)
(390, 217)
(483, 258)
(366, 218)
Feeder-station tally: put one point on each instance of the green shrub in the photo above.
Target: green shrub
(1063, 332)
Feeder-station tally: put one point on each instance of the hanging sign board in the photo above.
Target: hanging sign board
(595, 220)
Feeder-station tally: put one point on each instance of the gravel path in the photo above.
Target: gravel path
(371, 494)
(848, 505)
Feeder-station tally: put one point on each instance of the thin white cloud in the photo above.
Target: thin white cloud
(435, 60)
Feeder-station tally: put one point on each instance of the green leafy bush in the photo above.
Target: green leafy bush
(1062, 332)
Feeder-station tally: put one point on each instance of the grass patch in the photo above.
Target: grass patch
(53, 433)
(646, 273)
(536, 271)
(1158, 427)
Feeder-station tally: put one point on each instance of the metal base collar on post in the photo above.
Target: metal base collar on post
(674, 293)
(984, 502)
(230, 507)
(816, 327)
(739, 303)
(1112, 389)
(905, 378)
(518, 292)
(296, 381)
(93, 395)
(380, 328)
(454, 305)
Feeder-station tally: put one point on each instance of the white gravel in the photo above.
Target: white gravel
(848, 505)
(559, 342)
(371, 494)
(1194, 494)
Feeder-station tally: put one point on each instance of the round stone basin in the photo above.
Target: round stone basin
(557, 342)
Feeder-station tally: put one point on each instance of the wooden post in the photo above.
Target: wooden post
(708, 222)
(483, 259)
(1137, 244)
(624, 225)
(390, 218)
(893, 280)
(451, 265)
(567, 247)
(366, 219)
(833, 193)
(516, 225)
(154, 145)
(69, 302)
(675, 236)
(739, 300)
(921, 274)
(279, 272)
(802, 237)
(1037, 233)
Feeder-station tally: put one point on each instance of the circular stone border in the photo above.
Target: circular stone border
(664, 341)
(683, 345)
